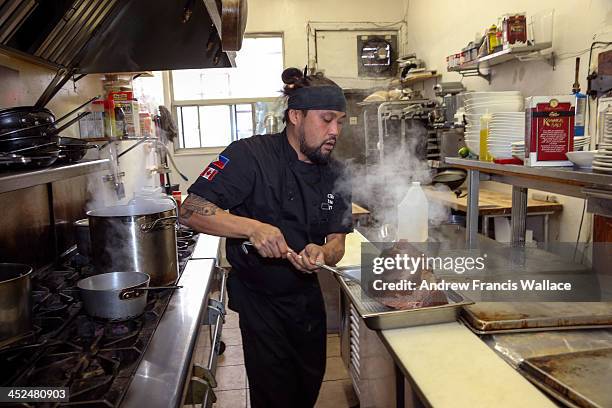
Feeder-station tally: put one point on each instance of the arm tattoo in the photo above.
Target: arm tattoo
(198, 205)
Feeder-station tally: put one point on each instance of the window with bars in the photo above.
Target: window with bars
(214, 107)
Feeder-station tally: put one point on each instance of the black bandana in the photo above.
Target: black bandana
(326, 97)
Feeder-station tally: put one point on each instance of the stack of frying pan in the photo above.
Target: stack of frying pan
(29, 137)
(29, 134)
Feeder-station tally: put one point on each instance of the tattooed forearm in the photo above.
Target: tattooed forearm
(198, 205)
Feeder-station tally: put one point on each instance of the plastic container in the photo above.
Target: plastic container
(484, 138)
(579, 119)
(413, 215)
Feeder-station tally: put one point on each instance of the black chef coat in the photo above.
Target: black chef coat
(262, 178)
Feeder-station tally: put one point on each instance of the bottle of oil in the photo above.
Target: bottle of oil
(484, 138)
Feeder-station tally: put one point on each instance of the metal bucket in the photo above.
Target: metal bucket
(15, 302)
(136, 237)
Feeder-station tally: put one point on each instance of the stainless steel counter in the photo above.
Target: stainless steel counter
(161, 375)
(207, 247)
(15, 180)
(567, 176)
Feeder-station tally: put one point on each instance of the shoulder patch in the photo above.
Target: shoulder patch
(221, 162)
(210, 173)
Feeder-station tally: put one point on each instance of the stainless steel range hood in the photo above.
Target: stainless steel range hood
(97, 36)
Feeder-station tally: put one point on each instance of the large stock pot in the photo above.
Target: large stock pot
(136, 237)
(15, 302)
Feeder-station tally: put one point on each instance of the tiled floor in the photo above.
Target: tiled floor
(233, 390)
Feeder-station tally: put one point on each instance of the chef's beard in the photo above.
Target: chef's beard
(314, 154)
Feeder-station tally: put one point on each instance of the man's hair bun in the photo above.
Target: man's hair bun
(291, 76)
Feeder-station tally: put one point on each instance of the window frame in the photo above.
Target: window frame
(232, 102)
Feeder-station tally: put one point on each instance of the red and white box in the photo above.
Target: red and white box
(549, 130)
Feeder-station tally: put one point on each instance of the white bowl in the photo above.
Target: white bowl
(582, 159)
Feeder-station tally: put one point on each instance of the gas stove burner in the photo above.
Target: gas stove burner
(184, 233)
(95, 358)
(182, 246)
(187, 241)
(16, 341)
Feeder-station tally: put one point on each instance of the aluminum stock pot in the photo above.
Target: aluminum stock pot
(15, 302)
(136, 237)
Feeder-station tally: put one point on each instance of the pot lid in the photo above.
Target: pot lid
(148, 207)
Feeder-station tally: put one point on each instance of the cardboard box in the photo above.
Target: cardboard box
(549, 133)
(92, 125)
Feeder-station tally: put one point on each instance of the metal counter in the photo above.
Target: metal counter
(208, 246)
(161, 375)
(596, 188)
(570, 177)
(10, 181)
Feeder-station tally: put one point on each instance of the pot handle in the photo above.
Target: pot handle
(133, 293)
(150, 226)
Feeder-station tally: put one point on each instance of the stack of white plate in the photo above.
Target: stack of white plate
(518, 148)
(505, 128)
(602, 162)
(478, 103)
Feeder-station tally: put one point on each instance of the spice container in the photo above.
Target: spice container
(492, 38)
(514, 28)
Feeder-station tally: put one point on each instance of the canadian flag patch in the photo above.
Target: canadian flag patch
(210, 173)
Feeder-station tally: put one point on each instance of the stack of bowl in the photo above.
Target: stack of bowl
(479, 103)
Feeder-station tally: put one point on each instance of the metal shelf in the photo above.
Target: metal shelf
(596, 188)
(17, 180)
(521, 53)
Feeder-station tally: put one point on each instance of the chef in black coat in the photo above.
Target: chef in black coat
(288, 197)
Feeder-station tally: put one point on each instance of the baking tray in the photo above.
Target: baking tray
(516, 347)
(580, 379)
(380, 317)
(508, 317)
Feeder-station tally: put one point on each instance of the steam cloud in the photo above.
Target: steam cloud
(382, 186)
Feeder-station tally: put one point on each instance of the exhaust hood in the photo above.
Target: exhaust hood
(100, 36)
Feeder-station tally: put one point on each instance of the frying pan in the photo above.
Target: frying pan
(24, 116)
(73, 149)
(17, 143)
(453, 178)
(49, 126)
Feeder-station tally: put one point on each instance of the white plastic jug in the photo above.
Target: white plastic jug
(413, 215)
